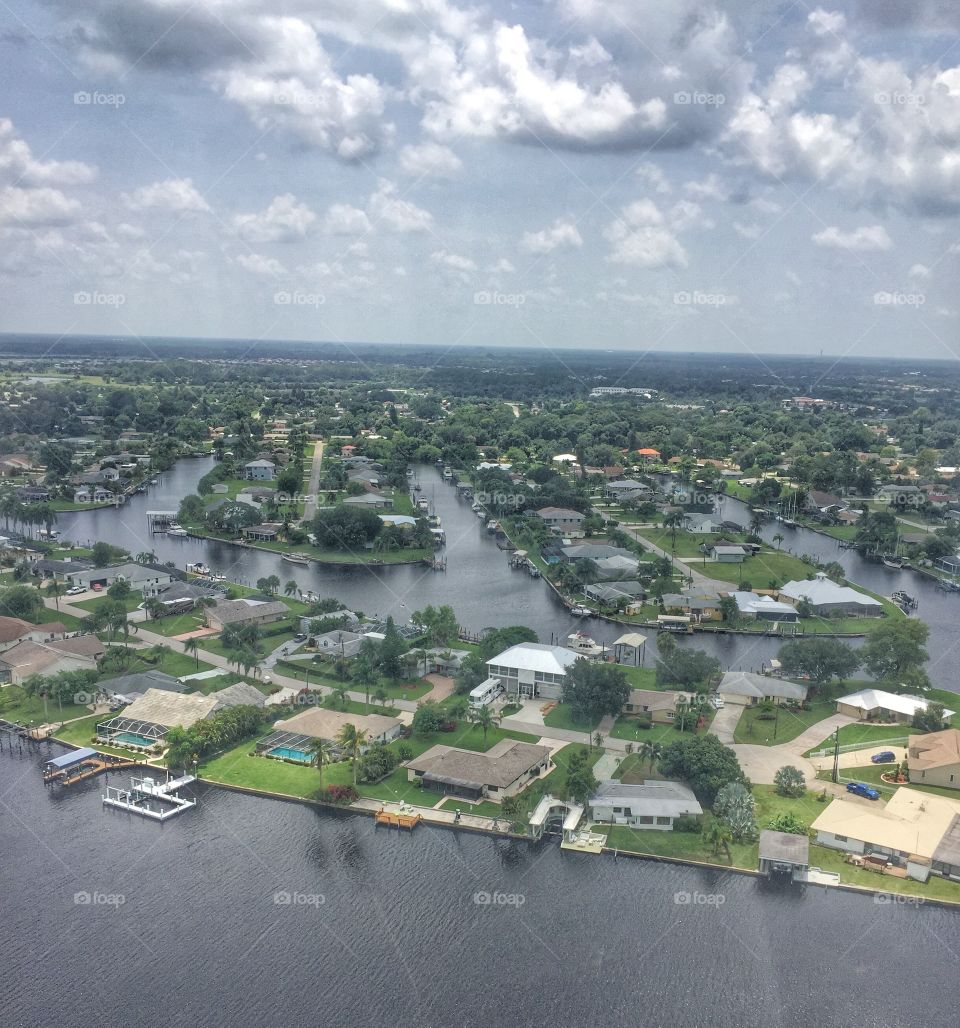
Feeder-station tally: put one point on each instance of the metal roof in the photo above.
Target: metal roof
(71, 759)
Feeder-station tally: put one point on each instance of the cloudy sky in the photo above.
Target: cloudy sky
(762, 177)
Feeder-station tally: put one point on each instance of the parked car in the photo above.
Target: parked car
(300, 637)
(74, 590)
(716, 702)
(97, 587)
(860, 789)
(886, 757)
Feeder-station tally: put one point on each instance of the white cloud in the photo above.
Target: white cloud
(561, 234)
(709, 188)
(343, 220)
(453, 261)
(501, 267)
(396, 214)
(172, 194)
(653, 177)
(864, 239)
(258, 264)
(42, 206)
(430, 160)
(919, 271)
(19, 166)
(286, 220)
(639, 237)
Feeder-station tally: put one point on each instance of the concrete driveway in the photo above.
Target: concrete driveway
(725, 721)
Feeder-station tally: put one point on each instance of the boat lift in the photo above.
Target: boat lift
(137, 798)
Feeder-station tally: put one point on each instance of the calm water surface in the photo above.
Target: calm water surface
(479, 583)
(384, 929)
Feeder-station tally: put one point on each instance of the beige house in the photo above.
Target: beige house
(26, 658)
(661, 706)
(14, 630)
(244, 612)
(878, 705)
(321, 723)
(934, 759)
(504, 770)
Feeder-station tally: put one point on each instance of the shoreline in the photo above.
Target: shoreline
(616, 852)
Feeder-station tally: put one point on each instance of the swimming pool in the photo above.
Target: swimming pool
(132, 739)
(287, 753)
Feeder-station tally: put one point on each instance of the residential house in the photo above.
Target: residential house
(131, 687)
(148, 579)
(934, 759)
(532, 670)
(14, 630)
(909, 832)
(60, 570)
(700, 604)
(826, 597)
(321, 723)
(897, 495)
(26, 658)
(950, 564)
(245, 612)
(661, 706)
(728, 553)
(259, 470)
(628, 488)
(615, 593)
(701, 524)
(612, 568)
(504, 770)
(820, 502)
(369, 501)
(648, 454)
(265, 533)
(878, 705)
(650, 805)
(747, 689)
(562, 520)
(764, 608)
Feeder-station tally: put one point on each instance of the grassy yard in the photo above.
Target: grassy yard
(180, 624)
(766, 567)
(851, 735)
(687, 543)
(626, 727)
(562, 717)
(15, 705)
(131, 602)
(753, 728)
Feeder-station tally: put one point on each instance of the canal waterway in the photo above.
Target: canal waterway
(479, 583)
(251, 911)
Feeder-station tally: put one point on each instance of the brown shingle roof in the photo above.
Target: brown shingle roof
(500, 766)
(938, 749)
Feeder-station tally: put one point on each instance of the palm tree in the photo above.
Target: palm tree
(190, 646)
(756, 523)
(650, 752)
(54, 590)
(485, 719)
(778, 539)
(718, 836)
(290, 588)
(673, 521)
(352, 741)
(598, 740)
(145, 557)
(381, 697)
(322, 753)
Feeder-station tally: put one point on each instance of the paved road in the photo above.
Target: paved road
(310, 504)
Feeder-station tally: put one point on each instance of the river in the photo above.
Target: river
(479, 584)
(112, 920)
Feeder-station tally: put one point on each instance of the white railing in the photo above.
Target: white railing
(828, 751)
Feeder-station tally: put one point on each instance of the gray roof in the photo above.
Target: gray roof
(595, 551)
(141, 681)
(948, 849)
(500, 766)
(656, 799)
(237, 695)
(229, 612)
(793, 849)
(745, 683)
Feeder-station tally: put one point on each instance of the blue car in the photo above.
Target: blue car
(886, 757)
(859, 789)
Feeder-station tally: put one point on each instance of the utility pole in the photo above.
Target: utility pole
(836, 756)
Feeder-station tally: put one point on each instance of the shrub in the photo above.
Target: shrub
(686, 823)
(339, 794)
(404, 752)
(787, 821)
(789, 781)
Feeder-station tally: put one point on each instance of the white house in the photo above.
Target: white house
(259, 470)
(701, 524)
(826, 597)
(764, 608)
(652, 805)
(531, 670)
(562, 520)
(878, 705)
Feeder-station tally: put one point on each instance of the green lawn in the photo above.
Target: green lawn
(178, 625)
(82, 733)
(759, 571)
(70, 621)
(562, 717)
(15, 705)
(687, 543)
(316, 674)
(627, 727)
(754, 728)
(851, 735)
(131, 602)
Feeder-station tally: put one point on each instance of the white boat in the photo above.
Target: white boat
(175, 529)
(578, 610)
(198, 569)
(584, 645)
(295, 558)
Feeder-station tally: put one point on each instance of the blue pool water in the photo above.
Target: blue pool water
(132, 739)
(286, 753)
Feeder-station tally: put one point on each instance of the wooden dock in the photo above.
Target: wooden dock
(88, 769)
(397, 820)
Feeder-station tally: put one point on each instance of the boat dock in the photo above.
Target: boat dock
(398, 819)
(137, 798)
(81, 765)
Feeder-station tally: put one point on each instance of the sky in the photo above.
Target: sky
(737, 177)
